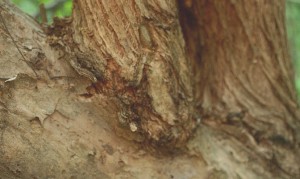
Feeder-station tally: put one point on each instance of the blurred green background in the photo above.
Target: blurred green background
(293, 30)
(61, 8)
(58, 8)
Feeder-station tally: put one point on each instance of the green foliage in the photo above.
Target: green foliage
(58, 8)
(293, 30)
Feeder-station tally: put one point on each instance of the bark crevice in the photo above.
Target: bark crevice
(114, 83)
(244, 81)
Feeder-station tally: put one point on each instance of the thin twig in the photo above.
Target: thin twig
(51, 7)
(43, 13)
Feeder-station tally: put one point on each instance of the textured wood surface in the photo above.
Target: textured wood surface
(117, 90)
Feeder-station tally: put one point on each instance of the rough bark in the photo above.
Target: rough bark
(245, 84)
(136, 52)
(116, 92)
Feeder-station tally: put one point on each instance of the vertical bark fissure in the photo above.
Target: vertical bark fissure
(245, 75)
(246, 132)
(148, 46)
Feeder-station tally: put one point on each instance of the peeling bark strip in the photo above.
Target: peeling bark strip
(138, 51)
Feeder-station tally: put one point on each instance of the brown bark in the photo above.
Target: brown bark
(245, 79)
(116, 92)
(138, 53)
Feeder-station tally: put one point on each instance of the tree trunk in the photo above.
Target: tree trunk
(149, 89)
